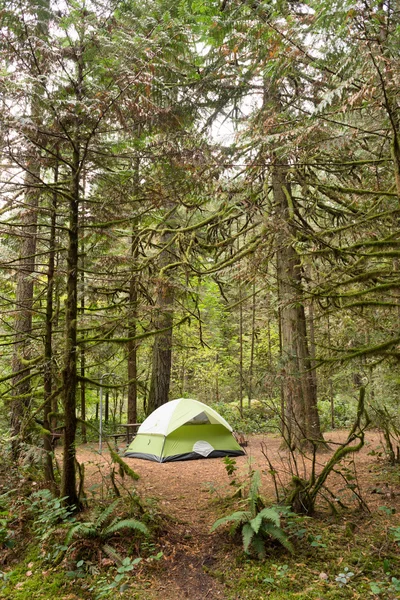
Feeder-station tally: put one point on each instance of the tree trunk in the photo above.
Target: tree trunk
(162, 347)
(48, 346)
(82, 347)
(299, 392)
(331, 394)
(26, 267)
(240, 347)
(68, 483)
(107, 407)
(24, 304)
(132, 344)
(253, 342)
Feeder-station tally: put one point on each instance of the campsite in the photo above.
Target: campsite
(204, 565)
(199, 299)
(349, 554)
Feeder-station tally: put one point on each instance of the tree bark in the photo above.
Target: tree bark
(68, 485)
(24, 304)
(302, 424)
(132, 344)
(162, 347)
(48, 346)
(82, 347)
(68, 482)
(253, 343)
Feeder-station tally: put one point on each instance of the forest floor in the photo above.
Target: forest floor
(192, 495)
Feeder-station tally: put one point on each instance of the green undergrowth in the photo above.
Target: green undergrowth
(103, 552)
(31, 579)
(353, 556)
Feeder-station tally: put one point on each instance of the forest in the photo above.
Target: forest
(200, 199)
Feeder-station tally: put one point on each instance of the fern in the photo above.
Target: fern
(105, 515)
(111, 553)
(238, 517)
(267, 514)
(125, 524)
(278, 534)
(247, 536)
(78, 527)
(258, 546)
(258, 525)
(99, 530)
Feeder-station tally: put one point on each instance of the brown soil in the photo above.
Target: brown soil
(186, 491)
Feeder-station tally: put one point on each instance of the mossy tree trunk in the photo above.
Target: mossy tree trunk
(69, 374)
(48, 345)
(164, 317)
(132, 330)
(301, 419)
(24, 296)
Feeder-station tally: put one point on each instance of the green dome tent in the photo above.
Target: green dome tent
(183, 429)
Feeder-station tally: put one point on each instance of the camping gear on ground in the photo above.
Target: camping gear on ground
(183, 429)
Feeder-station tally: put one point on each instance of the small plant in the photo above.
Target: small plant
(5, 532)
(395, 531)
(103, 587)
(316, 541)
(230, 467)
(395, 585)
(47, 512)
(6, 518)
(231, 470)
(343, 578)
(101, 529)
(380, 587)
(258, 524)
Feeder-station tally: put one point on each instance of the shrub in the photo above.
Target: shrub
(259, 525)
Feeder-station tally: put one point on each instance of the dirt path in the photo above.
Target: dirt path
(187, 491)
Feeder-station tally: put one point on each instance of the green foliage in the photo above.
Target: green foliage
(104, 589)
(104, 527)
(395, 532)
(230, 466)
(47, 511)
(6, 518)
(343, 578)
(385, 416)
(259, 525)
(259, 418)
(124, 467)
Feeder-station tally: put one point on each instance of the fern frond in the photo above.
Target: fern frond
(267, 514)
(238, 517)
(247, 536)
(278, 534)
(111, 553)
(105, 515)
(77, 528)
(259, 547)
(125, 524)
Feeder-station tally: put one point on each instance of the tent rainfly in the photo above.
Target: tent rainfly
(183, 429)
